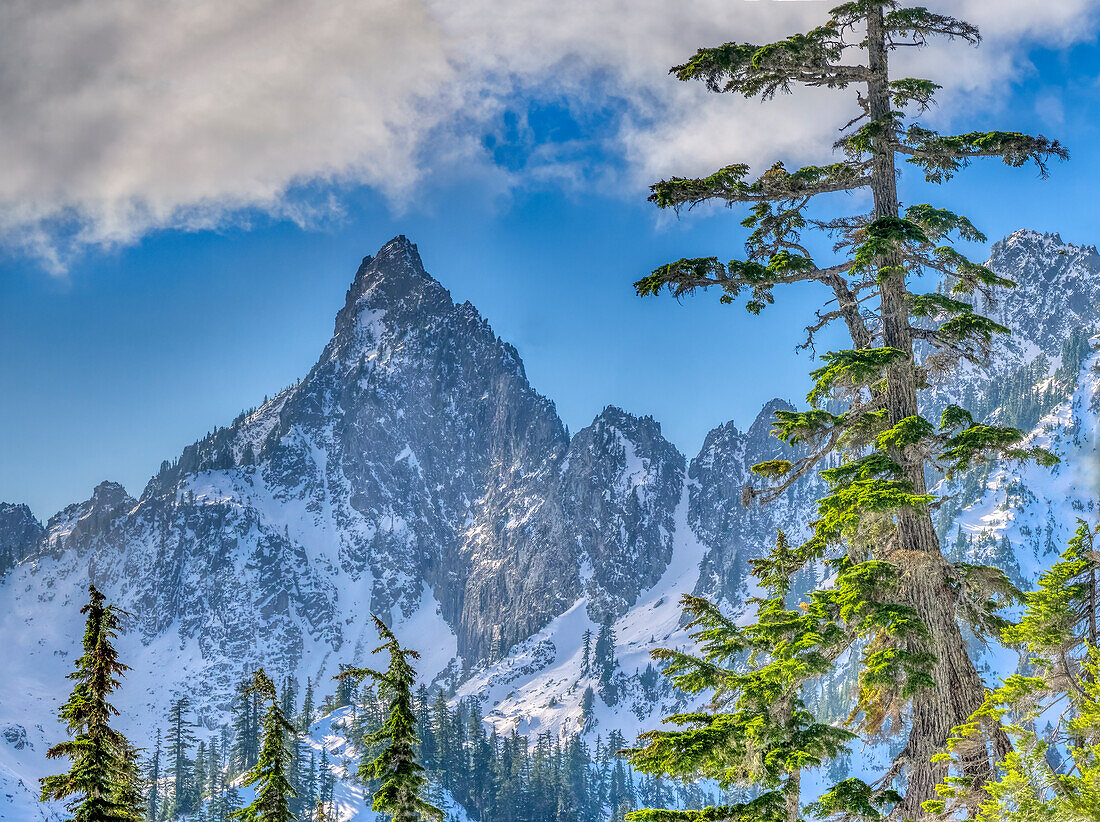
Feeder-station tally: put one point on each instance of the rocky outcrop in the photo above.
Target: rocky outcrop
(20, 534)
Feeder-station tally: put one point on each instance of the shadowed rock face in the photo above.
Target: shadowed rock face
(20, 534)
(619, 490)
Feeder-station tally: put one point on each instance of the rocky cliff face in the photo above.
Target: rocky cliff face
(20, 534)
(415, 473)
(733, 532)
(619, 488)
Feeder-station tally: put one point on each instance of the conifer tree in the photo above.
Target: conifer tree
(128, 792)
(99, 784)
(289, 696)
(874, 527)
(180, 738)
(246, 728)
(200, 772)
(269, 776)
(345, 690)
(153, 806)
(214, 768)
(324, 778)
(603, 661)
(588, 704)
(305, 718)
(230, 803)
(757, 730)
(309, 784)
(1054, 772)
(401, 792)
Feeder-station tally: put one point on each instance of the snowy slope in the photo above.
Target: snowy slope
(1036, 509)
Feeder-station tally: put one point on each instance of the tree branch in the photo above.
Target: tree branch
(775, 185)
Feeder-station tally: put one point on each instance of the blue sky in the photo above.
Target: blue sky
(153, 299)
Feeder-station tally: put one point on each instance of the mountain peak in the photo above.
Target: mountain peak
(1029, 243)
(391, 281)
(400, 251)
(20, 533)
(397, 260)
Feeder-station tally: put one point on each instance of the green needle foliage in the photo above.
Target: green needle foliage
(1052, 712)
(401, 792)
(269, 775)
(102, 783)
(128, 792)
(756, 729)
(904, 605)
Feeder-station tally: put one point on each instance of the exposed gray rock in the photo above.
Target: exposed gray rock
(20, 534)
(15, 736)
(620, 487)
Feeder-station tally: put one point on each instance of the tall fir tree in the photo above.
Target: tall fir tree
(874, 527)
(345, 690)
(269, 777)
(100, 784)
(401, 776)
(305, 718)
(325, 779)
(200, 772)
(185, 799)
(153, 780)
(246, 728)
(290, 696)
(308, 794)
(215, 769)
(129, 789)
(230, 803)
(586, 653)
(604, 653)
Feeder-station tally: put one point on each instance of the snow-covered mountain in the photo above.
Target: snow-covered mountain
(415, 473)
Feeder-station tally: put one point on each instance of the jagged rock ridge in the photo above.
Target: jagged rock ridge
(414, 472)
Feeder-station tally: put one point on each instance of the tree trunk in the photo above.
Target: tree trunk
(794, 795)
(925, 581)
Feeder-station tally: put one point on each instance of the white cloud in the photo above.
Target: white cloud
(124, 116)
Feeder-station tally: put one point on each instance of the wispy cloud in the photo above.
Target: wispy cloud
(122, 116)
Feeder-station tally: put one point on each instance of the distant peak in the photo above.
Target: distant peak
(397, 259)
(1031, 235)
(110, 494)
(762, 426)
(400, 246)
(614, 414)
(1026, 256)
(388, 280)
(1039, 241)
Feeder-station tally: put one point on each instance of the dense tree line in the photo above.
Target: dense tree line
(495, 777)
